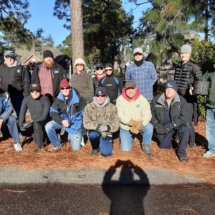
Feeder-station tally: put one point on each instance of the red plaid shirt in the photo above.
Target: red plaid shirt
(45, 77)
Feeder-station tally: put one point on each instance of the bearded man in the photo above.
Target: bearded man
(49, 75)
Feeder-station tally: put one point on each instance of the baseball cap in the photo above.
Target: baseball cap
(130, 84)
(9, 53)
(138, 50)
(101, 91)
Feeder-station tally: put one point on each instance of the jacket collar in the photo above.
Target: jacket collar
(73, 97)
(126, 97)
(162, 99)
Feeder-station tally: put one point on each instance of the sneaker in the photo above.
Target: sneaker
(94, 152)
(36, 150)
(53, 149)
(192, 145)
(82, 141)
(183, 160)
(17, 147)
(146, 149)
(208, 154)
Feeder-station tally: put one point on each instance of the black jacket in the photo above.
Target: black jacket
(58, 74)
(185, 75)
(178, 110)
(15, 79)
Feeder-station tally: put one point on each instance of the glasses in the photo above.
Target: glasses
(99, 68)
(100, 95)
(65, 88)
(108, 69)
(37, 91)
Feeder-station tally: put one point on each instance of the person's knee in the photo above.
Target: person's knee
(48, 127)
(93, 134)
(11, 119)
(183, 129)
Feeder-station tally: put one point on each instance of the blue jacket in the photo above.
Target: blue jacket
(70, 110)
(6, 107)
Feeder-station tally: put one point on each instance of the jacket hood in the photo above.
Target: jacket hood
(73, 97)
(14, 64)
(107, 101)
(126, 97)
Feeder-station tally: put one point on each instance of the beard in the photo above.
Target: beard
(48, 63)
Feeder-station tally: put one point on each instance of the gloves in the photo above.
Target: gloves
(104, 135)
(25, 125)
(169, 127)
(160, 130)
(134, 130)
(136, 124)
(101, 128)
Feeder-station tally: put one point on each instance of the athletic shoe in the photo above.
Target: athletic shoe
(17, 147)
(208, 154)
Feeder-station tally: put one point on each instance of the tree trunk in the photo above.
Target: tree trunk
(77, 30)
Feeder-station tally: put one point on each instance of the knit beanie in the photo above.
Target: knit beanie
(64, 84)
(80, 61)
(186, 49)
(47, 53)
(171, 84)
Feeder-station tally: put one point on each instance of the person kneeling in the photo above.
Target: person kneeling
(66, 113)
(135, 115)
(101, 119)
(169, 116)
(38, 106)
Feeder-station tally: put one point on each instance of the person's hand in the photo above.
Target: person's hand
(160, 130)
(1, 122)
(191, 91)
(101, 128)
(22, 127)
(134, 130)
(133, 123)
(104, 135)
(25, 125)
(139, 126)
(169, 127)
(65, 123)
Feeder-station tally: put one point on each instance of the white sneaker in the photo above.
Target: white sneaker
(17, 147)
(82, 141)
(208, 154)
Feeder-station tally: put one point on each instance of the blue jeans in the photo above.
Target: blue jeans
(210, 129)
(105, 145)
(12, 127)
(50, 128)
(126, 137)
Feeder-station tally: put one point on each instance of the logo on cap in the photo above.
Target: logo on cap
(100, 93)
(169, 85)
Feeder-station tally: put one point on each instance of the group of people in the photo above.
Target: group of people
(100, 107)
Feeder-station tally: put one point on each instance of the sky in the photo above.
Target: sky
(42, 17)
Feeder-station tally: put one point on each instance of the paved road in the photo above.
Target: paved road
(76, 199)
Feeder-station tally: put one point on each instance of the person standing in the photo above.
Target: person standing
(169, 116)
(38, 106)
(49, 75)
(100, 73)
(143, 74)
(186, 73)
(111, 83)
(82, 81)
(15, 80)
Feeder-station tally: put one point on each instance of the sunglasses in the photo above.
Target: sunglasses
(100, 95)
(99, 68)
(65, 88)
(37, 91)
(108, 69)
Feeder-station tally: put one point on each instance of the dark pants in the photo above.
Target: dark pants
(16, 101)
(183, 133)
(39, 133)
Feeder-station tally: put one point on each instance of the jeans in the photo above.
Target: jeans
(12, 127)
(210, 129)
(105, 145)
(126, 137)
(50, 128)
(183, 133)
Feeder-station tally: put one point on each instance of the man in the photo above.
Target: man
(49, 74)
(15, 80)
(111, 83)
(38, 106)
(210, 112)
(135, 115)
(82, 81)
(142, 73)
(169, 116)
(66, 113)
(186, 73)
(6, 117)
(100, 73)
(101, 119)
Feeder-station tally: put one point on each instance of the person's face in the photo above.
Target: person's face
(65, 91)
(99, 70)
(170, 93)
(109, 70)
(185, 57)
(48, 61)
(100, 99)
(9, 60)
(35, 94)
(131, 92)
(79, 68)
(138, 56)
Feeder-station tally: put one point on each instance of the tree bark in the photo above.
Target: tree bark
(77, 30)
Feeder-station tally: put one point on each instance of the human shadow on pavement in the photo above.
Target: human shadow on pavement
(126, 185)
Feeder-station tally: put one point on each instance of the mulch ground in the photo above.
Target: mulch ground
(66, 158)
